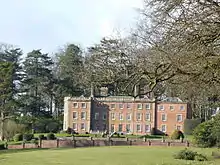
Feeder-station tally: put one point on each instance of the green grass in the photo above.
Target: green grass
(101, 156)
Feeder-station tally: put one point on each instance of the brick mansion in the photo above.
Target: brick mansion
(124, 114)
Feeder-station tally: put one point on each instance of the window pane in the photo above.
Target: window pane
(139, 106)
(96, 116)
(181, 107)
(120, 116)
(74, 115)
(129, 106)
(83, 105)
(147, 128)
(75, 105)
(120, 127)
(128, 127)
(104, 116)
(112, 128)
(128, 116)
(83, 115)
(171, 108)
(148, 106)
(82, 126)
(138, 127)
(113, 116)
(112, 106)
(120, 106)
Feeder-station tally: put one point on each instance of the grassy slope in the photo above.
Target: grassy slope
(99, 156)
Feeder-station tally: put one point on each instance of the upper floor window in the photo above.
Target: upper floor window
(75, 115)
(83, 105)
(104, 116)
(139, 106)
(147, 116)
(112, 106)
(129, 106)
(182, 107)
(113, 116)
(139, 116)
(128, 116)
(120, 116)
(171, 107)
(121, 106)
(179, 118)
(75, 105)
(164, 117)
(97, 116)
(148, 106)
(83, 115)
(161, 107)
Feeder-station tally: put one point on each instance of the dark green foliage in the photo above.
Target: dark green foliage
(18, 137)
(177, 135)
(28, 137)
(42, 137)
(53, 127)
(51, 136)
(203, 134)
(190, 125)
(34, 141)
(2, 146)
(189, 155)
(69, 130)
(200, 157)
(47, 125)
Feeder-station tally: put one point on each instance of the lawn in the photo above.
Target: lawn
(99, 156)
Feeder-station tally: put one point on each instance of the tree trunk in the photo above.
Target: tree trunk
(2, 127)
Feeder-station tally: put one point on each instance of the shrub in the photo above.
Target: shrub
(186, 155)
(190, 125)
(34, 141)
(42, 137)
(177, 135)
(18, 137)
(200, 157)
(51, 136)
(203, 134)
(2, 146)
(52, 127)
(69, 130)
(28, 137)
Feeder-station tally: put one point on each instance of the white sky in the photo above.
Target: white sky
(48, 24)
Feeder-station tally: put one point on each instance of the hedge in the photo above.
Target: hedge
(190, 125)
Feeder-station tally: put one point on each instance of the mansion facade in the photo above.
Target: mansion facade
(124, 114)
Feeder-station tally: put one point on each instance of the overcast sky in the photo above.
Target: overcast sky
(48, 24)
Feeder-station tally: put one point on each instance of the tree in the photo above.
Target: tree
(37, 84)
(6, 94)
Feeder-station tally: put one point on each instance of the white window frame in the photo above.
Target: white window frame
(129, 128)
(163, 114)
(161, 109)
(172, 109)
(149, 115)
(148, 106)
(149, 126)
(75, 129)
(128, 114)
(96, 116)
(76, 115)
(84, 126)
(181, 108)
(112, 105)
(112, 114)
(181, 117)
(121, 127)
(120, 106)
(140, 117)
(112, 127)
(165, 126)
(129, 107)
(82, 115)
(84, 107)
(77, 105)
(140, 108)
(121, 116)
(137, 128)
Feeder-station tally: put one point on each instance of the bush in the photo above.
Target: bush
(18, 137)
(52, 127)
(51, 136)
(34, 141)
(2, 146)
(190, 125)
(41, 137)
(69, 130)
(203, 134)
(28, 137)
(200, 157)
(177, 135)
(186, 155)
